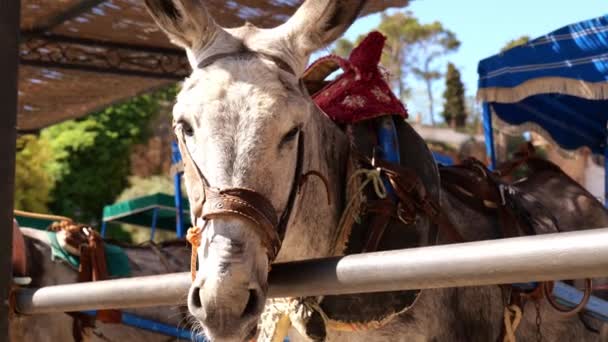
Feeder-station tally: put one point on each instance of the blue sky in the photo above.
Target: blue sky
(484, 26)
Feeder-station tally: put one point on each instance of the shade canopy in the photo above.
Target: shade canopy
(556, 84)
(140, 211)
(78, 56)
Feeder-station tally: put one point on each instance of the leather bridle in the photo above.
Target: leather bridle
(245, 203)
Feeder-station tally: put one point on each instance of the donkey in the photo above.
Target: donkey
(573, 209)
(247, 128)
(165, 258)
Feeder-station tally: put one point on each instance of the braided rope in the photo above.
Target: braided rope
(512, 318)
(194, 237)
(352, 210)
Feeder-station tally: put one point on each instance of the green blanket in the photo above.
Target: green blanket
(117, 260)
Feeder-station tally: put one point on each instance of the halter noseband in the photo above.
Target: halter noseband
(245, 203)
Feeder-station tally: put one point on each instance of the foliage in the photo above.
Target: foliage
(33, 183)
(434, 42)
(474, 111)
(140, 186)
(91, 155)
(515, 42)
(454, 110)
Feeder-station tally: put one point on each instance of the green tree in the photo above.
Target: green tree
(434, 42)
(91, 155)
(411, 49)
(474, 112)
(402, 31)
(515, 42)
(454, 110)
(33, 182)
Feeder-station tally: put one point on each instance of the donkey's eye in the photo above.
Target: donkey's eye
(290, 136)
(186, 128)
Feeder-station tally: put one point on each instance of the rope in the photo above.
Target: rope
(194, 237)
(371, 176)
(349, 326)
(512, 318)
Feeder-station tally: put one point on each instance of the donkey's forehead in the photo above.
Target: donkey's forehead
(234, 84)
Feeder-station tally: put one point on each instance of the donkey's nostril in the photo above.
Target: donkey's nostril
(196, 297)
(252, 303)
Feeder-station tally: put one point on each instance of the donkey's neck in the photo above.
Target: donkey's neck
(314, 221)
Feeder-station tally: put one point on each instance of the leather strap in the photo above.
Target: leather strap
(413, 198)
(478, 187)
(245, 53)
(249, 205)
(525, 152)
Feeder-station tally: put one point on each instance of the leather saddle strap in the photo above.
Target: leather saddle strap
(492, 189)
(93, 267)
(411, 192)
(249, 205)
(384, 210)
(525, 152)
(483, 192)
(467, 187)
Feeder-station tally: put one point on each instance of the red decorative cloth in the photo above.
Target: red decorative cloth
(361, 92)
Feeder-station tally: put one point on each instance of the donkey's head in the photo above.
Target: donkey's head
(241, 119)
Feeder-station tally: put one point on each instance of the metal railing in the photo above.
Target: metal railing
(573, 255)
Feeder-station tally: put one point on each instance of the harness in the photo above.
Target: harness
(473, 184)
(245, 203)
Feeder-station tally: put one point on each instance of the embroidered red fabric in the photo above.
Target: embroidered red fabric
(361, 92)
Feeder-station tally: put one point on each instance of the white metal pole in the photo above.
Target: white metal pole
(572, 255)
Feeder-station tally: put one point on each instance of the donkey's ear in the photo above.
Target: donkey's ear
(318, 23)
(186, 22)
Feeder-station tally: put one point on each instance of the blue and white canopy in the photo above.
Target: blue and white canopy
(558, 82)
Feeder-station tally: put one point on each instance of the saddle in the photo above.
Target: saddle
(495, 193)
(472, 183)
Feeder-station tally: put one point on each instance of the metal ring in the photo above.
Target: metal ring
(563, 310)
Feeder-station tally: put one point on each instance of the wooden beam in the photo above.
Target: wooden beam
(70, 13)
(75, 53)
(9, 44)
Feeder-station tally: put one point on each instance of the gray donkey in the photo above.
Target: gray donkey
(247, 127)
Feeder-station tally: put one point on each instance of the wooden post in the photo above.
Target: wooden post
(9, 61)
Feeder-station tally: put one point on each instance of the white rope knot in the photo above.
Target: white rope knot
(373, 176)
